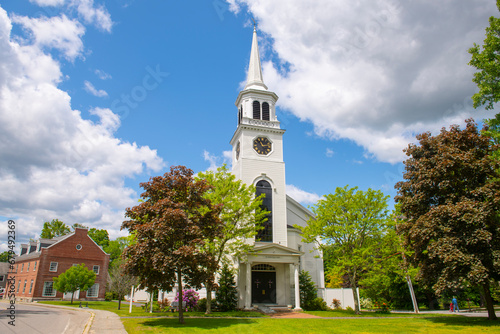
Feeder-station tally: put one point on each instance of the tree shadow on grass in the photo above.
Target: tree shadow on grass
(205, 323)
(464, 321)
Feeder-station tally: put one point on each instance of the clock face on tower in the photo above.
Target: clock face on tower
(262, 145)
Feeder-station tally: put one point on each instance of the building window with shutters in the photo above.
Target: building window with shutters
(31, 287)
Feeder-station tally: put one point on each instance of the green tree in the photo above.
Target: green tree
(77, 225)
(55, 228)
(115, 248)
(350, 223)
(226, 296)
(241, 215)
(486, 60)
(75, 278)
(450, 203)
(119, 281)
(171, 225)
(4, 256)
(308, 291)
(101, 237)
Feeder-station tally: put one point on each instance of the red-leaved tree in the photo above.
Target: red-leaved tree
(171, 225)
(450, 199)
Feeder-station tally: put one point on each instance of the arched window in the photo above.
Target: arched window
(265, 111)
(256, 110)
(263, 267)
(266, 234)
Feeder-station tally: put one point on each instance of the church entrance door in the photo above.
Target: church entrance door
(263, 287)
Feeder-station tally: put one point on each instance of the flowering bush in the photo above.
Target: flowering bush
(382, 307)
(336, 304)
(190, 297)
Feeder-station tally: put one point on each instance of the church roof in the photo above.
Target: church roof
(254, 77)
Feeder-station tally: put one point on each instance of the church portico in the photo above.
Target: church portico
(268, 275)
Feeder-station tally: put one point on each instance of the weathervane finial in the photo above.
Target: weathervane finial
(254, 24)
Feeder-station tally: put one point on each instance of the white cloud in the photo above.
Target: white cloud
(89, 87)
(376, 73)
(217, 161)
(59, 33)
(301, 196)
(102, 75)
(329, 152)
(55, 164)
(97, 15)
(48, 2)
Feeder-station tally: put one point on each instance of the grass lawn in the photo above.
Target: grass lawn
(438, 325)
(345, 313)
(138, 311)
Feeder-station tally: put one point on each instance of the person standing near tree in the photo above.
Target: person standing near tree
(455, 304)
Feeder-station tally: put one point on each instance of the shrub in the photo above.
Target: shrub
(226, 296)
(336, 304)
(348, 308)
(108, 296)
(201, 306)
(366, 303)
(382, 307)
(164, 306)
(308, 292)
(317, 304)
(189, 296)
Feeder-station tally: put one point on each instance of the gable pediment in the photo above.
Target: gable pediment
(275, 249)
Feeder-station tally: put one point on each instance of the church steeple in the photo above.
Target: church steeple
(254, 77)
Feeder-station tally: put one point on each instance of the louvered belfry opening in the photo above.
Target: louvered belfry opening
(265, 111)
(256, 110)
(240, 115)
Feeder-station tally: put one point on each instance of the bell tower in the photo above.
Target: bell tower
(257, 154)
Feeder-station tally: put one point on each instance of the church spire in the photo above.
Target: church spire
(254, 78)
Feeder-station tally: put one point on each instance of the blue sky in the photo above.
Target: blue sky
(97, 96)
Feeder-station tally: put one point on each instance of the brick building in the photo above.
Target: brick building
(44, 259)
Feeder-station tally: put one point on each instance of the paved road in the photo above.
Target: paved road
(36, 319)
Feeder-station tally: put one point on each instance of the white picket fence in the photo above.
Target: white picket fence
(343, 294)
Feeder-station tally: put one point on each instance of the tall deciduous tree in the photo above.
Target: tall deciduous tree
(115, 249)
(350, 222)
(75, 278)
(55, 228)
(101, 237)
(119, 281)
(450, 198)
(241, 215)
(171, 226)
(486, 60)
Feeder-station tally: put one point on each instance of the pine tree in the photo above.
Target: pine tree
(226, 296)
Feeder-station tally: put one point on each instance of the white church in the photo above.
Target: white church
(271, 273)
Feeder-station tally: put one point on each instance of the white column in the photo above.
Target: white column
(297, 290)
(248, 298)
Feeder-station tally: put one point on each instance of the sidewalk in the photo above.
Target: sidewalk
(106, 322)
